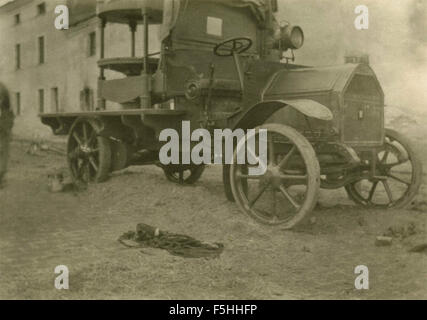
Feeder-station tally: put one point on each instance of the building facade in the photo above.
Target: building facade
(49, 70)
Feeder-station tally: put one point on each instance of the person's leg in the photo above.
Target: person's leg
(6, 124)
(4, 156)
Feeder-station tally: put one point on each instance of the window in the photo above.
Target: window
(18, 103)
(41, 8)
(17, 19)
(18, 56)
(54, 99)
(41, 50)
(41, 100)
(214, 27)
(92, 44)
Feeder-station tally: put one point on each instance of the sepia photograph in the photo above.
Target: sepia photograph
(213, 150)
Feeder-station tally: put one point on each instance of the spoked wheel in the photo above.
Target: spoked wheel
(121, 154)
(399, 176)
(288, 190)
(89, 155)
(182, 174)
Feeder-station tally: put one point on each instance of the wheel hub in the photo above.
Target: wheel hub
(86, 150)
(273, 176)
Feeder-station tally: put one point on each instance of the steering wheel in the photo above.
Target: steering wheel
(228, 47)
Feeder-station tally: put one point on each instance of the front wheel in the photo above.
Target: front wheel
(289, 188)
(399, 172)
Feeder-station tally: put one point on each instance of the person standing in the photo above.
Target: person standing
(6, 123)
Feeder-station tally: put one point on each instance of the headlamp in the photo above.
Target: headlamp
(289, 37)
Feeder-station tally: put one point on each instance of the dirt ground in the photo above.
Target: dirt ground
(40, 230)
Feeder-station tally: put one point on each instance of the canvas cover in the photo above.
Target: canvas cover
(172, 9)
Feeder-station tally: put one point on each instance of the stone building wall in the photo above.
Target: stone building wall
(68, 66)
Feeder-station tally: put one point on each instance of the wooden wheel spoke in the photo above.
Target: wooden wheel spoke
(293, 177)
(398, 179)
(372, 191)
(85, 136)
(260, 193)
(388, 191)
(93, 163)
(77, 138)
(389, 166)
(87, 172)
(385, 157)
(285, 160)
(289, 197)
(81, 168)
(271, 153)
(92, 137)
(274, 203)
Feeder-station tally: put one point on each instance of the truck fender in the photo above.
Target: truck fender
(261, 112)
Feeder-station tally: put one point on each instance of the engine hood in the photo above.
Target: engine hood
(351, 92)
(286, 83)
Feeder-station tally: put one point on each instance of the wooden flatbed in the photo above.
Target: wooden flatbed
(62, 121)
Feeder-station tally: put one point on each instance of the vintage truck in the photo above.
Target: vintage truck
(222, 65)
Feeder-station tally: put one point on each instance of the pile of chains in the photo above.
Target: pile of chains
(176, 244)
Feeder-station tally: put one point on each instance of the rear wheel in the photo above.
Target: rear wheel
(89, 155)
(288, 190)
(399, 173)
(184, 175)
(120, 155)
